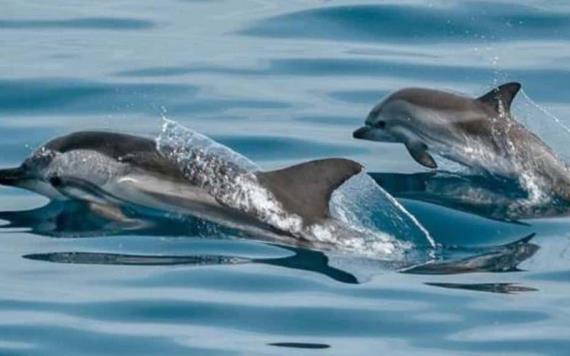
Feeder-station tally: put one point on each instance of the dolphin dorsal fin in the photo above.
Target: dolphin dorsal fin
(305, 189)
(501, 96)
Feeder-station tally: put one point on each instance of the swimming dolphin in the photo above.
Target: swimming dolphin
(108, 170)
(480, 133)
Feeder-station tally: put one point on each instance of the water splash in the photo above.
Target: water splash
(365, 218)
(224, 174)
(362, 202)
(181, 137)
(552, 131)
(532, 166)
(521, 162)
(543, 123)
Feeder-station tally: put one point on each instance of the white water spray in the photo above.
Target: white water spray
(366, 219)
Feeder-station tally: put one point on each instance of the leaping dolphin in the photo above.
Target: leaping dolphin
(480, 133)
(108, 169)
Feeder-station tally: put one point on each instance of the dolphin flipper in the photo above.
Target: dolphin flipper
(419, 152)
(82, 190)
(305, 189)
(99, 201)
(114, 213)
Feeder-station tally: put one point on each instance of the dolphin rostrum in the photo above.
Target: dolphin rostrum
(108, 170)
(480, 133)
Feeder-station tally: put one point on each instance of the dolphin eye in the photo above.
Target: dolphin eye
(381, 124)
(55, 181)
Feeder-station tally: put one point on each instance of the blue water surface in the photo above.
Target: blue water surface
(280, 82)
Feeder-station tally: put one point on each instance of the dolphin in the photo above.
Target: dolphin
(110, 170)
(480, 133)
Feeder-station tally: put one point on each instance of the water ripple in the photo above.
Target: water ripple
(282, 82)
(415, 24)
(538, 81)
(92, 23)
(70, 96)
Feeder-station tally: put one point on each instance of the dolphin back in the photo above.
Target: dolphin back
(305, 189)
(140, 152)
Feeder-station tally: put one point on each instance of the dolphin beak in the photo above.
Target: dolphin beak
(12, 176)
(372, 133)
(362, 132)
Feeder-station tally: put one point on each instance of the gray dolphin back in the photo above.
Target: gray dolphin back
(111, 144)
(138, 151)
(305, 189)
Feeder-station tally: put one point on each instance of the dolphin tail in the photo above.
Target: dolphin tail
(305, 189)
(11, 176)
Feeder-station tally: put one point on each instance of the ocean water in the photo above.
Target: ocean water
(280, 82)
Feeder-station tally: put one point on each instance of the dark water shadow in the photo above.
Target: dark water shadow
(89, 23)
(71, 96)
(545, 84)
(305, 260)
(73, 219)
(498, 259)
(501, 288)
(77, 220)
(410, 23)
(99, 258)
(74, 96)
(300, 345)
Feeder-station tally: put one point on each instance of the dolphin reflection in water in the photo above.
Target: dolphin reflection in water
(488, 197)
(58, 219)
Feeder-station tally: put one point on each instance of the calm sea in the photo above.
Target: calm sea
(280, 82)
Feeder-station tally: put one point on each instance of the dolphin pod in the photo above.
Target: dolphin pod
(480, 133)
(107, 170)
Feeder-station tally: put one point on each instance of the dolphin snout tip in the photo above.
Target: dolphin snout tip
(11, 176)
(361, 132)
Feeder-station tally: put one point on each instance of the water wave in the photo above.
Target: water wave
(387, 23)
